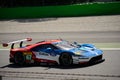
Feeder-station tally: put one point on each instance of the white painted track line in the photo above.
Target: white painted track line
(110, 48)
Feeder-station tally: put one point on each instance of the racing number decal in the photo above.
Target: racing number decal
(28, 57)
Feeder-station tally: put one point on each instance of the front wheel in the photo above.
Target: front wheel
(19, 58)
(66, 59)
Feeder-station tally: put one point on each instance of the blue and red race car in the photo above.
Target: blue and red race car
(54, 51)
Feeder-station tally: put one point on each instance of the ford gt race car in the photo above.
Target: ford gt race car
(53, 51)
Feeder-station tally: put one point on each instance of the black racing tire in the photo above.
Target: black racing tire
(19, 58)
(66, 59)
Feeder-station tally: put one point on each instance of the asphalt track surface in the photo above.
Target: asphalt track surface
(82, 37)
(69, 24)
(107, 70)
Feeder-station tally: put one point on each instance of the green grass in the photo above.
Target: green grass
(87, 9)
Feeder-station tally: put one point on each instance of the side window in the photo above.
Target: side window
(44, 48)
(36, 49)
(48, 48)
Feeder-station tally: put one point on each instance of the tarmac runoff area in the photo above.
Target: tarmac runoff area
(103, 31)
(91, 29)
(70, 24)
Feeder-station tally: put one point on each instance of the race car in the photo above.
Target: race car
(56, 51)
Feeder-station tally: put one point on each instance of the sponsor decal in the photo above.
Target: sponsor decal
(43, 53)
(27, 53)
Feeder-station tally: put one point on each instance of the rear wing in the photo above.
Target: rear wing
(18, 41)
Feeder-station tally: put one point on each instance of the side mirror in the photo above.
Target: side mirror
(77, 44)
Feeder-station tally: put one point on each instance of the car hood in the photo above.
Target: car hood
(87, 50)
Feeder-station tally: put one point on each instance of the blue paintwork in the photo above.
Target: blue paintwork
(88, 50)
(85, 50)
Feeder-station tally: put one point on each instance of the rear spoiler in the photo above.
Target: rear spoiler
(18, 41)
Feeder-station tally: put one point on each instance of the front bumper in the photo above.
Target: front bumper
(95, 59)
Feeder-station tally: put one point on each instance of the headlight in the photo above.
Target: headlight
(77, 53)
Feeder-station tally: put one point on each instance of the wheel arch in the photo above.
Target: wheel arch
(17, 52)
(18, 61)
(70, 54)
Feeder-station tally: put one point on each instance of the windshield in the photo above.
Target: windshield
(64, 45)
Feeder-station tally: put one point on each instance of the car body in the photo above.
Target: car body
(54, 51)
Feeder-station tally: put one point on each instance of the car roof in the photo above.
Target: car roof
(43, 42)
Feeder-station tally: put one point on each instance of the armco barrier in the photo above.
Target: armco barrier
(86, 9)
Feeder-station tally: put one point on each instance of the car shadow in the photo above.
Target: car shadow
(49, 66)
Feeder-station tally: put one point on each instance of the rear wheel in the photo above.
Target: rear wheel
(19, 58)
(66, 59)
